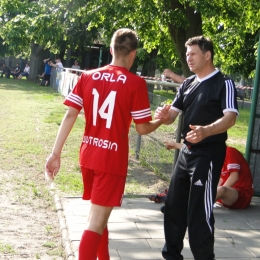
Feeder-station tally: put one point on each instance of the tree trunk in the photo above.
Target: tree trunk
(82, 54)
(134, 67)
(35, 61)
(149, 68)
(181, 33)
(61, 55)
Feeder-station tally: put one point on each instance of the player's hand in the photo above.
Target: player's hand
(197, 133)
(162, 113)
(170, 145)
(52, 165)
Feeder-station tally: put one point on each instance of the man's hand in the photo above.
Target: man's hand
(175, 77)
(52, 165)
(162, 113)
(167, 73)
(198, 133)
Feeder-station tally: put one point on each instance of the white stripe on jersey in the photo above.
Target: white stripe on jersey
(75, 99)
(141, 113)
(233, 166)
(230, 94)
(208, 197)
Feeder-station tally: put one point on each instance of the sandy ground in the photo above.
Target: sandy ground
(29, 226)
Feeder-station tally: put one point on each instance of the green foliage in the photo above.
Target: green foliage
(233, 26)
(56, 25)
(3, 48)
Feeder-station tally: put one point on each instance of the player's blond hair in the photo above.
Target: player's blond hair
(124, 41)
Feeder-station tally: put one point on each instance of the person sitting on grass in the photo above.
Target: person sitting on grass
(235, 189)
(16, 71)
(25, 72)
(6, 71)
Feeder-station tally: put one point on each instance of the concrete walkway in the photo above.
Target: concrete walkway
(136, 230)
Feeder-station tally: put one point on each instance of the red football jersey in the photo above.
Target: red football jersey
(235, 162)
(111, 97)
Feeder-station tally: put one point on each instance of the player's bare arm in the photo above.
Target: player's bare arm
(53, 162)
(198, 133)
(232, 179)
(161, 118)
(148, 127)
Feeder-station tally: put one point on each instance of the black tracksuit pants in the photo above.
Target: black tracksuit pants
(190, 200)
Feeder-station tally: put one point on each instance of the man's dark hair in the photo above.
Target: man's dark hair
(204, 43)
(124, 41)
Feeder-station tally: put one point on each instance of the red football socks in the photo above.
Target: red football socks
(89, 245)
(103, 252)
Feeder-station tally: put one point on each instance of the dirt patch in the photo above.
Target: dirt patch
(150, 182)
(29, 222)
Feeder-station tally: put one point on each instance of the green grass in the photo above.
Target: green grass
(6, 249)
(237, 135)
(164, 93)
(25, 142)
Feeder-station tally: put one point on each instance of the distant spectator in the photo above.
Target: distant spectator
(16, 72)
(75, 66)
(25, 72)
(47, 72)
(6, 71)
(57, 64)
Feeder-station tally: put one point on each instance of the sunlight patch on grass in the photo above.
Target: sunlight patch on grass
(70, 183)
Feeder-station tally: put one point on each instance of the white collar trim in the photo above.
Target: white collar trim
(209, 76)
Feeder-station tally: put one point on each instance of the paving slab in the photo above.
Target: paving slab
(136, 230)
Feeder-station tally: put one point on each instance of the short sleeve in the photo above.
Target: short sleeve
(177, 103)
(233, 160)
(140, 110)
(228, 98)
(75, 97)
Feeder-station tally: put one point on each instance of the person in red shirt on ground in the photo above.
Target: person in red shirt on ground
(111, 97)
(235, 188)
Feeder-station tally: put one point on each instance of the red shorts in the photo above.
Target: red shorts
(243, 200)
(103, 189)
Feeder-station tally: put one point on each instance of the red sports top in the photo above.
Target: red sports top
(235, 162)
(111, 97)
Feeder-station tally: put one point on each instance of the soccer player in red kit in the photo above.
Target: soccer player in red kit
(235, 189)
(111, 97)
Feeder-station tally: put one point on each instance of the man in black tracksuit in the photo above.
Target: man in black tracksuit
(208, 101)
